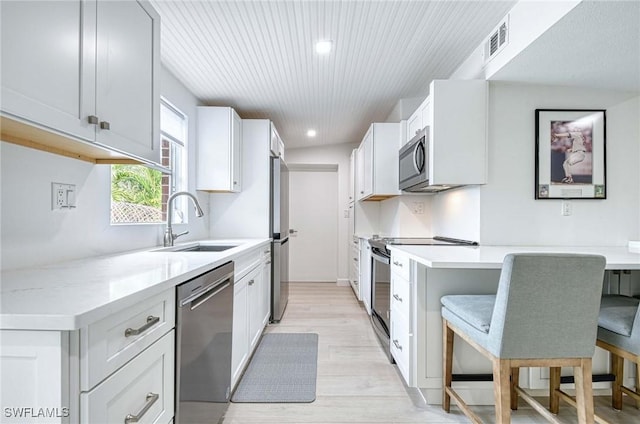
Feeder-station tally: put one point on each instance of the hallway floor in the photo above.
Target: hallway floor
(356, 383)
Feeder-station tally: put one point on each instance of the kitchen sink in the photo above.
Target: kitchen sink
(198, 248)
(206, 248)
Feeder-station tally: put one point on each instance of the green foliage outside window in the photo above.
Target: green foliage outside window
(136, 184)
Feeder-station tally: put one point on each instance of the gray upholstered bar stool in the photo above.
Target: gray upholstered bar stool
(545, 314)
(619, 333)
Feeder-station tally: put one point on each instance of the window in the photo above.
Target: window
(139, 194)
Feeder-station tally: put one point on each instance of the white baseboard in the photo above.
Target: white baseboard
(343, 282)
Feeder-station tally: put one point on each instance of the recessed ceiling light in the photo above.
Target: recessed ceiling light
(323, 46)
(311, 133)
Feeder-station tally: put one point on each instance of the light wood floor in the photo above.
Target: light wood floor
(356, 383)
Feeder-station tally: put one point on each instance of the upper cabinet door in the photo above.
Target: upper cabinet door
(127, 77)
(219, 140)
(48, 65)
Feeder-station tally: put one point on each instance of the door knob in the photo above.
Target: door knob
(292, 232)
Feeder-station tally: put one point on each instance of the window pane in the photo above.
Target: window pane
(172, 123)
(140, 194)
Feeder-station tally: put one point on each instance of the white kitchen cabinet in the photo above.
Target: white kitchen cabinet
(457, 120)
(40, 362)
(251, 307)
(352, 175)
(377, 162)
(95, 374)
(108, 344)
(354, 267)
(418, 120)
(365, 273)
(401, 332)
(276, 144)
(240, 335)
(88, 70)
(219, 145)
(143, 388)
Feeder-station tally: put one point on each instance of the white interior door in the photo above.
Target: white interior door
(313, 215)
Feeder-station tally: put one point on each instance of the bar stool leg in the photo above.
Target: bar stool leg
(584, 392)
(447, 363)
(617, 369)
(515, 382)
(638, 382)
(502, 389)
(554, 386)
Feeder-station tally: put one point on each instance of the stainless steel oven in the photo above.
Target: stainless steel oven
(381, 280)
(381, 293)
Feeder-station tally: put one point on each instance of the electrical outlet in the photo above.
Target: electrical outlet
(418, 208)
(63, 196)
(567, 209)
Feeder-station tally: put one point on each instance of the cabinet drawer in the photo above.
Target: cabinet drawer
(400, 265)
(110, 343)
(247, 262)
(400, 342)
(143, 388)
(400, 294)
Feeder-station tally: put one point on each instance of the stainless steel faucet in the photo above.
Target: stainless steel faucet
(169, 236)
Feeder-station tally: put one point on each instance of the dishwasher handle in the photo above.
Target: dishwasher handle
(201, 297)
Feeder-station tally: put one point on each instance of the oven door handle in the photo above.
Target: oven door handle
(384, 259)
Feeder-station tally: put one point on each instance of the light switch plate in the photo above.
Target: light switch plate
(63, 196)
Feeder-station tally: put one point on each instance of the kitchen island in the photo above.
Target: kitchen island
(435, 271)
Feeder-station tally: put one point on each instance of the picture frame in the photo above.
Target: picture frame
(570, 154)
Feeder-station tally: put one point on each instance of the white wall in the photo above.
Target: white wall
(338, 154)
(456, 213)
(509, 212)
(33, 234)
(400, 217)
(246, 214)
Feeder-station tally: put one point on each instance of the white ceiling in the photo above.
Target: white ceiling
(596, 45)
(258, 57)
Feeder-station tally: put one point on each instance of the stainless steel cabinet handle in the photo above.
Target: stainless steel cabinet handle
(398, 345)
(104, 125)
(150, 400)
(92, 119)
(398, 298)
(396, 263)
(151, 321)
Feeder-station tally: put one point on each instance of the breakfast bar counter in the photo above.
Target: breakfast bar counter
(491, 257)
(423, 274)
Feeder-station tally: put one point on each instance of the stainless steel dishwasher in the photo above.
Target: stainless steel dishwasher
(204, 322)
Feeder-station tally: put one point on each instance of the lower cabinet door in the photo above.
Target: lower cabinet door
(142, 391)
(400, 343)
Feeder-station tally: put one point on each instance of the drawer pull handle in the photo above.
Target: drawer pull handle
(398, 345)
(251, 282)
(396, 263)
(151, 321)
(104, 125)
(150, 400)
(92, 119)
(398, 298)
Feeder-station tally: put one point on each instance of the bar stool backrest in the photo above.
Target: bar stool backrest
(547, 306)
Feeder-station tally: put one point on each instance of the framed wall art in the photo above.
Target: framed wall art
(570, 154)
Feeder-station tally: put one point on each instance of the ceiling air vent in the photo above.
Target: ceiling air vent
(498, 38)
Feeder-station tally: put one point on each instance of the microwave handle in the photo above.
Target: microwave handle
(418, 157)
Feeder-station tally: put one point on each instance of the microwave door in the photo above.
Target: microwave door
(412, 164)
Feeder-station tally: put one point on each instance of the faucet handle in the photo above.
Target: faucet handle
(175, 236)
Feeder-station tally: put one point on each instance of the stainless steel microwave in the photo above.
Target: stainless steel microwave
(414, 163)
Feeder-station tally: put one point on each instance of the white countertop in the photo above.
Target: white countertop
(71, 295)
(491, 257)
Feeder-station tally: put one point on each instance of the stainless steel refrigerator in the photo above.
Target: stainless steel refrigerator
(280, 235)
